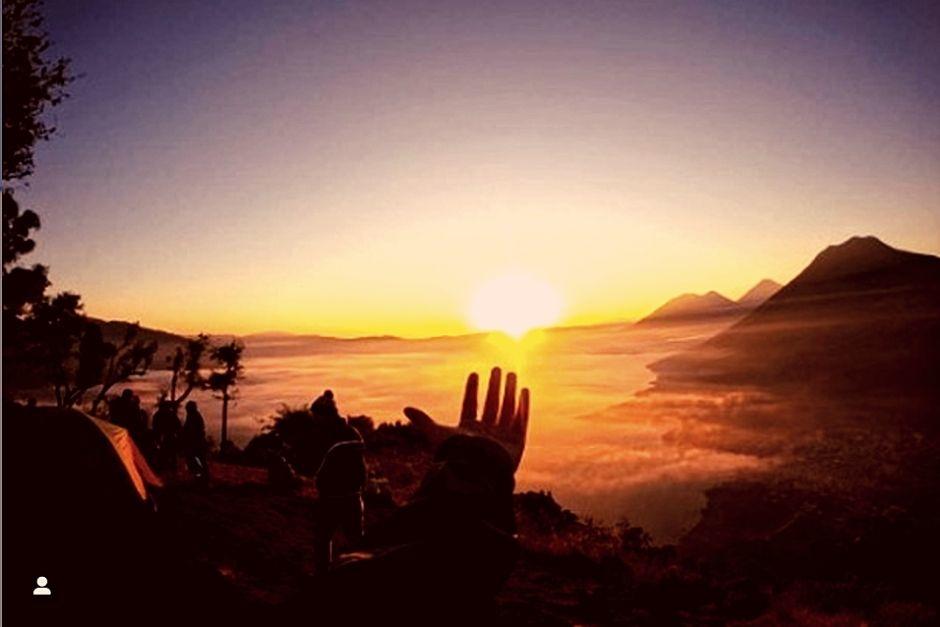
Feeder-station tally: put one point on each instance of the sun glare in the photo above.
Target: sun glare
(515, 304)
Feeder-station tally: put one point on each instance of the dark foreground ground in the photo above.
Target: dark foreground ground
(843, 531)
(781, 550)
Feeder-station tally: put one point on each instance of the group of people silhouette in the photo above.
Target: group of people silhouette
(167, 438)
(446, 552)
(454, 539)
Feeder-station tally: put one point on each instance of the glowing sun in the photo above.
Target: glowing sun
(515, 304)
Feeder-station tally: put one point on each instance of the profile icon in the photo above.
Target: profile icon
(42, 589)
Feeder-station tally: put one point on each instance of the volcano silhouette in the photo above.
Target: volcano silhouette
(759, 294)
(688, 307)
(862, 319)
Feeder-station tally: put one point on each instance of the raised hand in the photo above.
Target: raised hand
(506, 424)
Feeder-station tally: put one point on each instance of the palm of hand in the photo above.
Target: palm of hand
(506, 424)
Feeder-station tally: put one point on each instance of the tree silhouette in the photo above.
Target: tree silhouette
(224, 380)
(23, 287)
(40, 332)
(58, 324)
(74, 355)
(32, 82)
(16, 229)
(185, 369)
(109, 364)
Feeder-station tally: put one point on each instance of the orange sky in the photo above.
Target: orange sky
(364, 168)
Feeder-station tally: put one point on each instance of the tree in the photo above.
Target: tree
(185, 369)
(23, 287)
(32, 82)
(60, 323)
(16, 229)
(107, 364)
(224, 380)
(75, 355)
(48, 335)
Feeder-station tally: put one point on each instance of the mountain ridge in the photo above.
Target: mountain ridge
(861, 318)
(691, 307)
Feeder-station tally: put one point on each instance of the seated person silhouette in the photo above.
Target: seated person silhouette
(340, 480)
(41, 589)
(442, 557)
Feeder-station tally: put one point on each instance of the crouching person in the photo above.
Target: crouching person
(340, 481)
(442, 558)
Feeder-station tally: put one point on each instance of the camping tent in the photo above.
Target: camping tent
(70, 446)
(76, 507)
(138, 470)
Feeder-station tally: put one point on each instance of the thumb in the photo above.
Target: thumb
(419, 419)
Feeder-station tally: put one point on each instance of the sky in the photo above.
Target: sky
(358, 168)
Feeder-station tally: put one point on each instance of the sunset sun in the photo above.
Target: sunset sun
(515, 303)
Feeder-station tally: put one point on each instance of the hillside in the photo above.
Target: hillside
(861, 318)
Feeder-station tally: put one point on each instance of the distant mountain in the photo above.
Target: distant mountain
(690, 307)
(758, 294)
(862, 319)
(712, 305)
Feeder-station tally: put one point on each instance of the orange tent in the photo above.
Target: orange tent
(138, 470)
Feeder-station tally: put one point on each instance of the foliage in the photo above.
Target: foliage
(186, 369)
(306, 437)
(301, 436)
(46, 335)
(17, 226)
(363, 424)
(58, 324)
(23, 287)
(108, 364)
(632, 539)
(32, 82)
(75, 356)
(224, 379)
(229, 367)
(548, 528)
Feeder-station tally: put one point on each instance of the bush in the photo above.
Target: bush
(301, 436)
(363, 424)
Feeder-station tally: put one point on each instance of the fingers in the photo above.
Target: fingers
(521, 424)
(491, 404)
(468, 412)
(508, 412)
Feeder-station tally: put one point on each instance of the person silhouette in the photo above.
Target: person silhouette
(455, 540)
(325, 406)
(166, 431)
(193, 441)
(42, 589)
(121, 408)
(340, 481)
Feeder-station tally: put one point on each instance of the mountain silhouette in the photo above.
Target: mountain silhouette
(711, 305)
(861, 320)
(690, 307)
(758, 294)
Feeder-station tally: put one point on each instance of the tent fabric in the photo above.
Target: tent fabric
(72, 492)
(139, 471)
